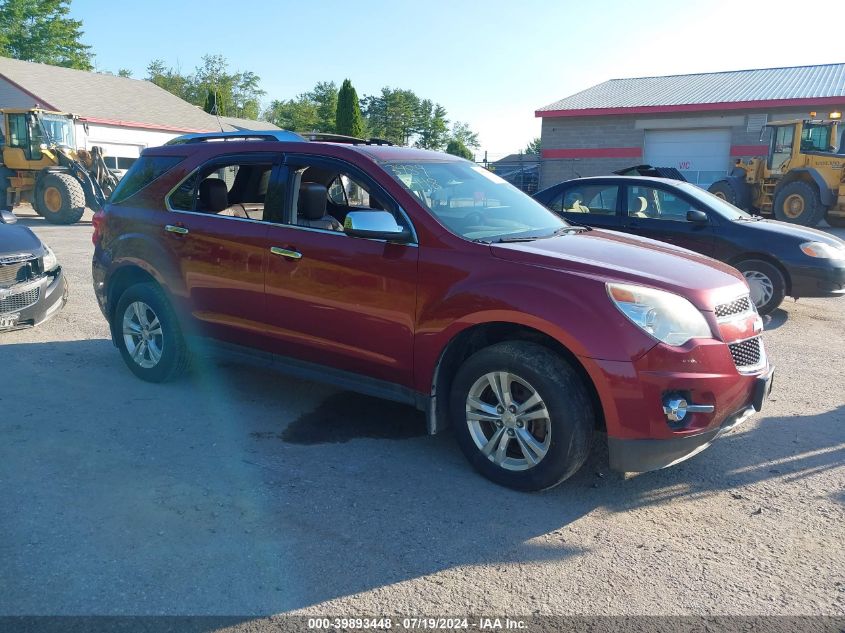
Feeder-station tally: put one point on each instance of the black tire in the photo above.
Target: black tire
(756, 271)
(836, 221)
(726, 190)
(59, 198)
(799, 202)
(570, 417)
(174, 354)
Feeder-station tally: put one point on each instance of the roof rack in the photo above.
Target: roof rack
(264, 135)
(342, 138)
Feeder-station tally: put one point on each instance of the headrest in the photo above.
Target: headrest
(213, 195)
(312, 201)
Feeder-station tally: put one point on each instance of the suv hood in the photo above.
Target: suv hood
(15, 239)
(611, 256)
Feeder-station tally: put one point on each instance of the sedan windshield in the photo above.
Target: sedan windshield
(720, 206)
(475, 203)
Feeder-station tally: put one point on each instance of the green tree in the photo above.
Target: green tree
(457, 148)
(462, 132)
(298, 115)
(533, 147)
(392, 115)
(348, 119)
(124, 72)
(41, 31)
(170, 79)
(432, 127)
(324, 96)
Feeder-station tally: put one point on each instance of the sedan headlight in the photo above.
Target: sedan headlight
(823, 250)
(667, 317)
(50, 261)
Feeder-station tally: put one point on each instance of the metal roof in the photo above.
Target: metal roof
(731, 90)
(103, 98)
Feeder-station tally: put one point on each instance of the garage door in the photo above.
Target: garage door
(702, 156)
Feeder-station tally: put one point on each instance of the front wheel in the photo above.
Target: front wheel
(799, 202)
(522, 415)
(148, 334)
(766, 282)
(59, 198)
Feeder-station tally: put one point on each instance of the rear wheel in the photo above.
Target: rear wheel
(836, 221)
(148, 334)
(768, 287)
(59, 198)
(522, 415)
(799, 202)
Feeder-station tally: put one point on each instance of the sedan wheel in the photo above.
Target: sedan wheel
(142, 334)
(761, 287)
(508, 421)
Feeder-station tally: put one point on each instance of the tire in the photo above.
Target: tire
(726, 190)
(836, 221)
(799, 202)
(768, 286)
(560, 424)
(165, 355)
(59, 198)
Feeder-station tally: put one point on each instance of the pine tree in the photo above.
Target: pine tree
(349, 120)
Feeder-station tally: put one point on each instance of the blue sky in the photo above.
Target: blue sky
(489, 63)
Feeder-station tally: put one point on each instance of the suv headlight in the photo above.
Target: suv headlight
(822, 250)
(49, 259)
(667, 317)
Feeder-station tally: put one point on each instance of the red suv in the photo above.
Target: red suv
(420, 277)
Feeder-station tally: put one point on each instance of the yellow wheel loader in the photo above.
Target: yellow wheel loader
(42, 164)
(801, 180)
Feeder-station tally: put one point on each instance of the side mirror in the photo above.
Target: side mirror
(7, 217)
(697, 217)
(375, 225)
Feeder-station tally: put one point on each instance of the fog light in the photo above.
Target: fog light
(676, 407)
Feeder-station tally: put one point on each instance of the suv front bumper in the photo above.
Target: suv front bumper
(643, 455)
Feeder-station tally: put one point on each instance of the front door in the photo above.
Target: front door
(345, 302)
(661, 214)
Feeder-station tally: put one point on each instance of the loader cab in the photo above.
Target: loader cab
(23, 133)
(27, 133)
(787, 139)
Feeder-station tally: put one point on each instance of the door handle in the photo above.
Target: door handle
(285, 252)
(179, 230)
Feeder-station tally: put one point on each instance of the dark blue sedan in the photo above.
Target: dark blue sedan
(777, 259)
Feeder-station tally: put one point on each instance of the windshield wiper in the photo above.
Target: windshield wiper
(750, 218)
(579, 228)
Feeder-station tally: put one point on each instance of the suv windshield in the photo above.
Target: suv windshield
(475, 203)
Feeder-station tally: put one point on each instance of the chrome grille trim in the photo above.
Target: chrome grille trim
(748, 355)
(17, 272)
(20, 301)
(734, 309)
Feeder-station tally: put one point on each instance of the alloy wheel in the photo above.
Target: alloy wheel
(508, 421)
(142, 334)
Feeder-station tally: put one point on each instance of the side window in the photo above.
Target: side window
(656, 204)
(593, 199)
(236, 189)
(322, 196)
(17, 130)
(145, 170)
(781, 145)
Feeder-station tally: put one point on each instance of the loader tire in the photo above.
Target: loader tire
(60, 199)
(799, 202)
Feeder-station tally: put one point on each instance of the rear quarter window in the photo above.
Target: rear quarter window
(144, 171)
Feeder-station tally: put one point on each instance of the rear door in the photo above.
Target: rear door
(590, 202)
(221, 254)
(660, 213)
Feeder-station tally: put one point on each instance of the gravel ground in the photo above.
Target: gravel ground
(235, 491)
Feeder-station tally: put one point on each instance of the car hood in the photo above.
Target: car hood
(15, 239)
(612, 256)
(800, 233)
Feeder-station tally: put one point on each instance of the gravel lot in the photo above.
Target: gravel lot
(235, 491)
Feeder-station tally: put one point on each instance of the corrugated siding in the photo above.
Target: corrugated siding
(801, 82)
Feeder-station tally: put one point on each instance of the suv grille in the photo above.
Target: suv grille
(17, 272)
(747, 353)
(738, 306)
(19, 301)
